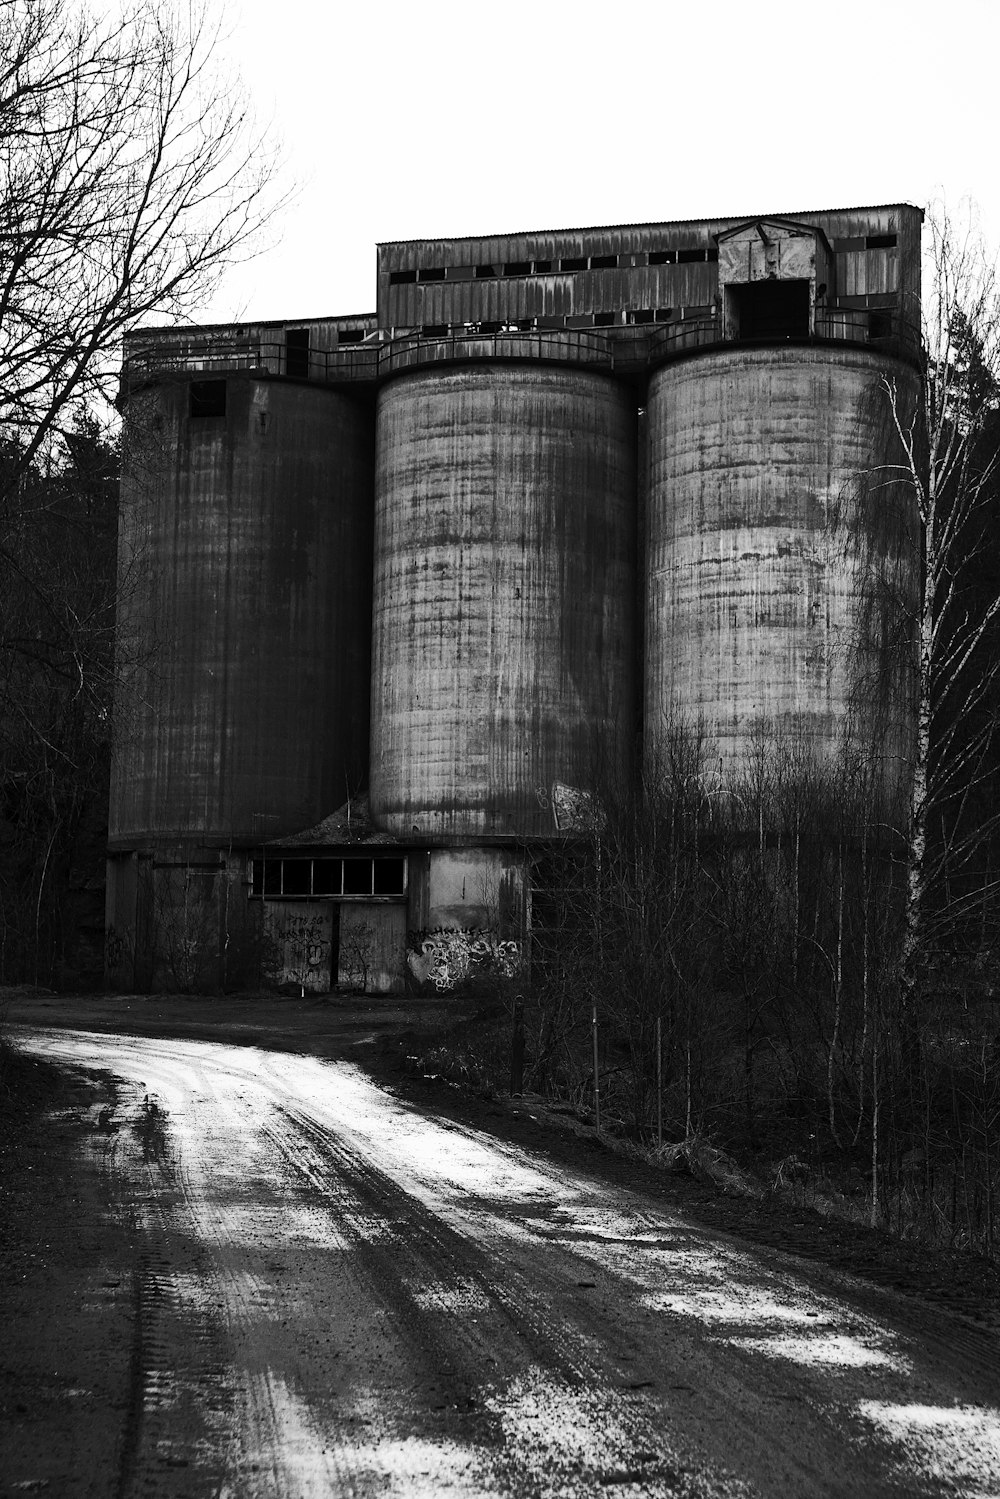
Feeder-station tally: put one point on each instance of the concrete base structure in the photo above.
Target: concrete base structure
(211, 925)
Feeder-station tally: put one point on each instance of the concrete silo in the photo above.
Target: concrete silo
(766, 548)
(504, 595)
(243, 647)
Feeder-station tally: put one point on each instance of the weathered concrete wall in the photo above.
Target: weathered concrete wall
(244, 607)
(756, 602)
(504, 594)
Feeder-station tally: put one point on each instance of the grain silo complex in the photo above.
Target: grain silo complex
(397, 590)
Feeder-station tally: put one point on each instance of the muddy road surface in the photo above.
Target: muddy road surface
(340, 1294)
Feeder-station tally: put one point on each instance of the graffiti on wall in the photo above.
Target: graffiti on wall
(300, 939)
(450, 956)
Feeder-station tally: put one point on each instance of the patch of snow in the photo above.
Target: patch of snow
(954, 1443)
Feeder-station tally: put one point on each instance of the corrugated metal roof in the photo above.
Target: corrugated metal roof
(650, 224)
(254, 322)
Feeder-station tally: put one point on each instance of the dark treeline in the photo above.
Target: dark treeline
(57, 551)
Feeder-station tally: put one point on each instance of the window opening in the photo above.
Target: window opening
(485, 272)
(768, 310)
(401, 278)
(297, 352)
(296, 877)
(327, 878)
(357, 876)
(603, 262)
(541, 265)
(207, 398)
(517, 268)
(880, 242)
(389, 877)
(431, 273)
(351, 336)
(604, 319)
(663, 257)
(573, 263)
(435, 330)
(641, 315)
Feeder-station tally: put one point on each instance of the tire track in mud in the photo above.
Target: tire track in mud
(434, 1278)
(180, 1393)
(521, 1331)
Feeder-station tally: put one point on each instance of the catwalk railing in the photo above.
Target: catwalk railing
(619, 349)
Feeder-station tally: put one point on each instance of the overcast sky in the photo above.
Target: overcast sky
(449, 117)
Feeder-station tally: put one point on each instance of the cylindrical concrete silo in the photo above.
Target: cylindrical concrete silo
(504, 595)
(243, 647)
(778, 567)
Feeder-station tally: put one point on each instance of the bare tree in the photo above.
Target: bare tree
(130, 176)
(944, 455)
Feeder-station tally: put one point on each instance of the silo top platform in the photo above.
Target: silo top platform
(619, 298)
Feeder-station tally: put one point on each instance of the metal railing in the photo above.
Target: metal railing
(597, 348)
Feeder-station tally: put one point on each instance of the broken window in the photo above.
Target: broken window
(297, 353)
(329, 878)
(207, 398)
(768, 311)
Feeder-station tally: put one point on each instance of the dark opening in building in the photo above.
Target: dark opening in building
(517, 268)
(879, 323)
(484, 272)
(603, 262)
(295, 877)
(401, 278)
(297, 353)
(663, 257)
(880, 242)
(208, 398)
(768, 310)
(573, 263)
(431, 273)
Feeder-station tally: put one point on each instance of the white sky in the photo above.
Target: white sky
(435, 118)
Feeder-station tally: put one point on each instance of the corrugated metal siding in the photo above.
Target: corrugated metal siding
(879, 273)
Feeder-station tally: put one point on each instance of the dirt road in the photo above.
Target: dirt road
(339, 1294)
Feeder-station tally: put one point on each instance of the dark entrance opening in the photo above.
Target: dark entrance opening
(297, 353)
(768, 310)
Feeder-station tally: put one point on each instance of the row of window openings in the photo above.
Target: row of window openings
(549, 267)
(692, 255)
(327, 879)
(534, 325)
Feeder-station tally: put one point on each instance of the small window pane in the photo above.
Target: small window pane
(390, 877)
(357, 876)
(326, 876)
(272, 877)
(296, 876)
